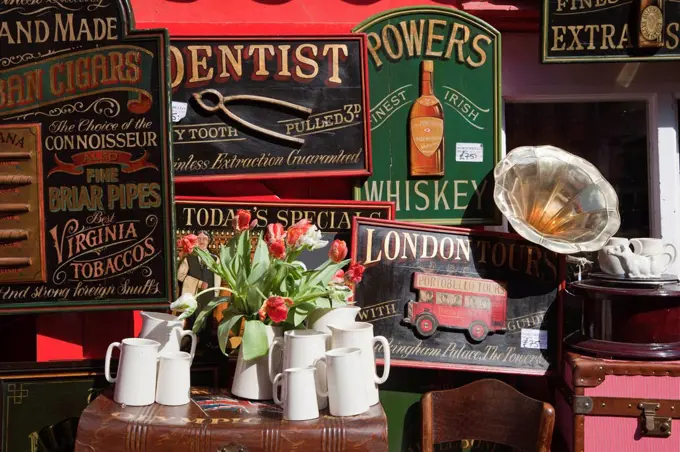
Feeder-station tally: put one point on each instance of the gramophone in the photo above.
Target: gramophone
(556, 199)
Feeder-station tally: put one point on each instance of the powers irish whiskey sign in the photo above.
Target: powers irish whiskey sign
(269, 107)
(84, 159)
(435, 114)
(454, 298)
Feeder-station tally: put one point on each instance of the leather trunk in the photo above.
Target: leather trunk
(618, 406)
(214, 422)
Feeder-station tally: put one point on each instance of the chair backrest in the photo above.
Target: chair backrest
(487, 410)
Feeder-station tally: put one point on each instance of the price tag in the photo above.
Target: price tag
(534, 339)
(179, 111)
(469, 152)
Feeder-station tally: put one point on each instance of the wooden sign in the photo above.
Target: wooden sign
(84, 159)
(613, 30)
(455, 298)
(435, 92)
(269, 107)
(333, 218)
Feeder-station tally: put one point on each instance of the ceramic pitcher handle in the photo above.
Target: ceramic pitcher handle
(277, 342)
(275, 386)
(194, 341)
(386, 359)
(319, 391)
(107, 361)
(673, 254)
(637, 246)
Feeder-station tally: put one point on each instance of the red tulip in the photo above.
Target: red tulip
(296, 231)
(275, 233)
(355, 273)
(242, 220)
(338, 251)
(278, 249)
(187, 243)
(277, 308)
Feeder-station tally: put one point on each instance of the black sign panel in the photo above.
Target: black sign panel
(333, 218)
(269, 107)
(454, 298)
(611, 30)
(85, 175)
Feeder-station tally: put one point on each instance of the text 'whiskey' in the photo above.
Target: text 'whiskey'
(426, 127)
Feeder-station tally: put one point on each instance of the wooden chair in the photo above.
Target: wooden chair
(487, 410)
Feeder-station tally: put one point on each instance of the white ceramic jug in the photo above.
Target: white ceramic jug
(251, 378)
(345, 398)
(319, 319)
(360, 335)
(136, 377)
(167, 330)
(298, 393)
(174, 379)
(300, 349)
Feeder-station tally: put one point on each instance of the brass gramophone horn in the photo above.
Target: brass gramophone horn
(556, 199)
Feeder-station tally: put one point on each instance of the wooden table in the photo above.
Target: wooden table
(215, 421)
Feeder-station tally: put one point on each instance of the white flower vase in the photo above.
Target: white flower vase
(251, 378)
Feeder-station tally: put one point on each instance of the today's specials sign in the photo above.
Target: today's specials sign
(333, 218)
(610, 30)
(454, 298)
(269, 107)
(435, 104)
(84, 160)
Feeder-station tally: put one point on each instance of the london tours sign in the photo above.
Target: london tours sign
(610, 31)
(269, 107)
(85, 177)
(435, 105)
(454, 298)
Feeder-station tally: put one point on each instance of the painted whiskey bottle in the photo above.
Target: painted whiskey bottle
(426, 128)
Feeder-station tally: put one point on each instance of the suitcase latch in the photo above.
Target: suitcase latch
(232, 447)
(652, 425)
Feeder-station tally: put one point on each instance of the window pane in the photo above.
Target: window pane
(610, 135)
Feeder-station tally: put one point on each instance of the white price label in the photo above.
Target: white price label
(179, 111)
(534, 339)
(469, 152)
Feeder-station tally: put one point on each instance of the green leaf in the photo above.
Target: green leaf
(229, 320)
(243, 250)
(205, 311)
(324, 276)
(254, 300)
(300, 312)
(260, 263)
(255, 342)
(225, 256)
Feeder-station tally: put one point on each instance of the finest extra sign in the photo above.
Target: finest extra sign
(269, 107)
(578, 31)
(460, 299)
(85, 177)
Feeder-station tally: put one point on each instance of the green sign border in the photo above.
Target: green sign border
(497, 218)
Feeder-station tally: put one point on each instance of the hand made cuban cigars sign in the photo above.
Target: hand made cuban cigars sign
(614, 30)
(453, 298)
(84, 158)
(269, 107)
(333, 218)
(435, 98)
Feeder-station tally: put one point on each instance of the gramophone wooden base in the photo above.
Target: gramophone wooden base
(580, 343)
(627, 322)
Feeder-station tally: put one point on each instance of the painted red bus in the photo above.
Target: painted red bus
(473, 304)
